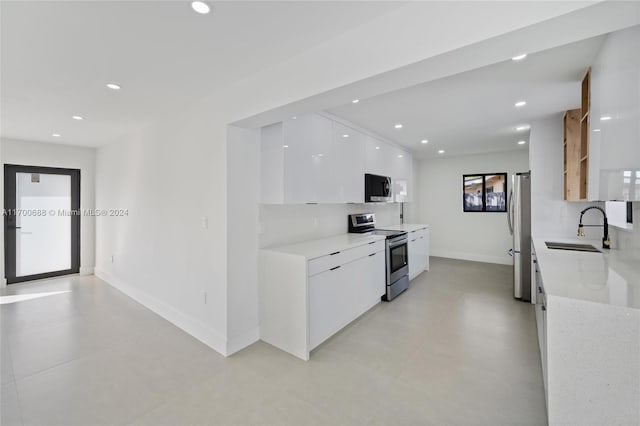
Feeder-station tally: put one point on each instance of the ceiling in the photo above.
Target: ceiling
(473, 112)
(56, 58)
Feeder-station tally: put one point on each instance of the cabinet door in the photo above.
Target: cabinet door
(377, 155)
(403, 176)
(426, 246)
(371, 281)
(324, 160)
(349, 165)
(423, 247)
(414, 254)
(298, 160)
(330, 302)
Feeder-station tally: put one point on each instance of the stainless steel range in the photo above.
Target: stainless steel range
(397, 254)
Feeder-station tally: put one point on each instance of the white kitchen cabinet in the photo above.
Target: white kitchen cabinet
(329, 307)
(378, 156)
(315, 159)
(541, 314)
(324, 160)
(418, 247)
(310, 291)
(425, 248)
(349, 165)
(614, 150)
(298, 160)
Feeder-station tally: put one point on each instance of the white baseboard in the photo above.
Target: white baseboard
(191, 325)
(86, 270)
(240, 342)
(475, 257)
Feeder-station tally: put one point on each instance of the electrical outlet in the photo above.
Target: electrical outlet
(315, 222)
(112, 258)
(205, 222)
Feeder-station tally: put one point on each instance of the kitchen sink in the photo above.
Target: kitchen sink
(571, 246)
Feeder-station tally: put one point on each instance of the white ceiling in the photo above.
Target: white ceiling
(56, 58)
(473, 112)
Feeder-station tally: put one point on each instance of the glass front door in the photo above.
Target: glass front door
(41, 222)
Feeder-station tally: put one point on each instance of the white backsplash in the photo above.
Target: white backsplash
(623, 239)
(290, 224)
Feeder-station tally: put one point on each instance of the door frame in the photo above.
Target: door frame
(10, 171)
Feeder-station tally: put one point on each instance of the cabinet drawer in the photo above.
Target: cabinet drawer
(339, 258)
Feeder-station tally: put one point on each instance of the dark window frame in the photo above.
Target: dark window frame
(10, 171)
(484, 191)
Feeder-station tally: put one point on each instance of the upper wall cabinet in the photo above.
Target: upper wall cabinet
(313, 159)
(614, 159)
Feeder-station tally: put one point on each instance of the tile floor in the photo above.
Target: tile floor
(456, 349)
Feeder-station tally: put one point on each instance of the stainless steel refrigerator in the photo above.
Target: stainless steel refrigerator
(519, 218)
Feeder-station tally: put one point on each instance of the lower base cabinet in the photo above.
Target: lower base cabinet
(337, 297)
(304, 301)
(418, 247)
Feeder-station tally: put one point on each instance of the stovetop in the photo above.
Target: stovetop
(365, 223)
(389, 234)
(384, 232)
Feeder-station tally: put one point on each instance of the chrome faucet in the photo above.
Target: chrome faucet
(606, 243)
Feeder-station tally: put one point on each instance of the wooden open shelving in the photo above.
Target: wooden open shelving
(572, 154)
(576, 145)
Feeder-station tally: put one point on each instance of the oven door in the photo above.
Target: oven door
(397, 259)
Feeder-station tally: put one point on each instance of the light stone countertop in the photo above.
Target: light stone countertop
(611, 277)
(322, 247)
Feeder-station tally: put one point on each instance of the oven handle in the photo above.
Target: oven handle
(393, 244)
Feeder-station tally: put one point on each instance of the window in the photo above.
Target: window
(485, 192)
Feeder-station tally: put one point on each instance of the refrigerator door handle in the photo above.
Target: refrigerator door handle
(510, 212)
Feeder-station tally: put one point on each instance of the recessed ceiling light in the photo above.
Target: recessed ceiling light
(605, 118)
(377, 147)
(56, 135)
(519, 57)
(200, 7)
(424, 141)
(399, 155)
(320, 155)
(441, 151)
(521, 142)
(355, 101)
(285, 146)
(294, 117)
(596, 130)
(346, 135)
(523, 128)
(520, 104)
(113, 86)
(398, 126)
(77, 117)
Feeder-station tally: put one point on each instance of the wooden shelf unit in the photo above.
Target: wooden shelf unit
(572, 154)
(576, 145)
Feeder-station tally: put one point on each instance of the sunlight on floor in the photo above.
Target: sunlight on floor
(4, 300)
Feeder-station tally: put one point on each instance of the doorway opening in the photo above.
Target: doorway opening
(42, 222)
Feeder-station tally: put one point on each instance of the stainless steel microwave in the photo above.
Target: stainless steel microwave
(377, 189)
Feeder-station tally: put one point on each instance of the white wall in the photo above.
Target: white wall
(480, 237)
(170, 177)
(243, 196)
(551, 216)
(53, 155)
